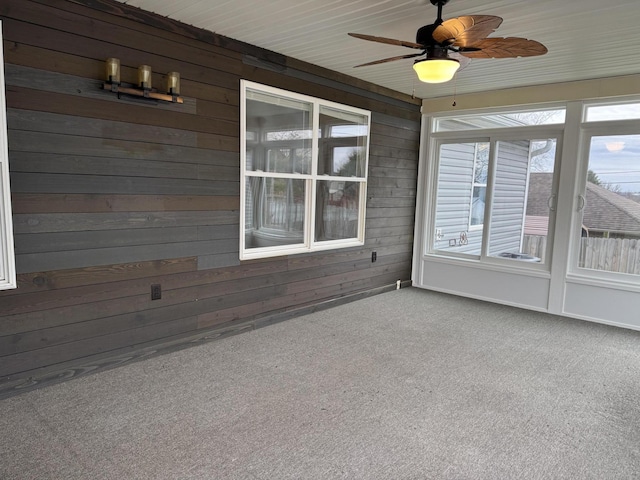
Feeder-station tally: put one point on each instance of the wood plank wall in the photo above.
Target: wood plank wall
(113, 195)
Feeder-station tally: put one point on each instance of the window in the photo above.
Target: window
(303, 173)
(608, 233)
(610, 206)
(623, 111)
(7, 259)
(495, 195)
(499, 120)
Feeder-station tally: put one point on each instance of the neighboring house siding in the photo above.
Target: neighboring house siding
(111, 196)
(455, 177)
(509, 199)
(455, 181)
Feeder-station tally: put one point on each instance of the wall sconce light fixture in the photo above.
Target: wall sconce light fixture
(144, 87)
(113, 71)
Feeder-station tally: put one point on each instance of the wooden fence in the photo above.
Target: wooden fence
(535, 245)
(620, 255)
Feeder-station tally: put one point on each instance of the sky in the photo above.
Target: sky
(618, 167)
(616, 158)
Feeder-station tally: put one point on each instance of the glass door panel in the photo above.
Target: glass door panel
(460, 202)
(610, 226)
(517, 181)
(523, 199)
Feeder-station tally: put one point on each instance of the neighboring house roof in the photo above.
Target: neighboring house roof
(539, 193)
(605, 211)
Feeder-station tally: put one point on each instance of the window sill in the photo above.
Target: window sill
(494, 265)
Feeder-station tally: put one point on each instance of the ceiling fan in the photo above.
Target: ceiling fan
(450, 44)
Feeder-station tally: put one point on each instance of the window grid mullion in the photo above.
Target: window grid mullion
(312, 197)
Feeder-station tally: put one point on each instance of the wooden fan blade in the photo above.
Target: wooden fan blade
(391, 59)
(389, 41)
(466, 30)
(511, 47)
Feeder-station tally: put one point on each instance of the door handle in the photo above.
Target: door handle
(581, 202)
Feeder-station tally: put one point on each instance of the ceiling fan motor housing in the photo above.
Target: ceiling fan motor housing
(424, 35)
(436, 51)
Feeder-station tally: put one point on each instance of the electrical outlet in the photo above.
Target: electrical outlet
(156, 292)
(374, 256)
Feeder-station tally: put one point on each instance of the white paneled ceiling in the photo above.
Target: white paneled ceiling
(586, 38)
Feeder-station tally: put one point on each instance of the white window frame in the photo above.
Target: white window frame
(311, 180)
(589, 129)
(7, 254)
(493, 136)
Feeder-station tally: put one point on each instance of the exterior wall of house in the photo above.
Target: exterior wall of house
(111, 196)
(509, 198)
(455, 179)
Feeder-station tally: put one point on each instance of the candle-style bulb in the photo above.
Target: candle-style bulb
(113, 70)
(173, 83)
(144, 77)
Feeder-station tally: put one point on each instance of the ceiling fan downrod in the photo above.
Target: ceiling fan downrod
(439, 4)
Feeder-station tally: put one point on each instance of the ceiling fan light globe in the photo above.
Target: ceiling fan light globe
(436, 70)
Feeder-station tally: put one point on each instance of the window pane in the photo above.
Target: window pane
(481, 167)
(342, 143)
(456, 195)
(274, 212)
(288, 160)
(629, 111)
(337, 207)
(281, 133)
(522, 195)
(521, 199)
(610, 236)
(477, 206)
(501, 120)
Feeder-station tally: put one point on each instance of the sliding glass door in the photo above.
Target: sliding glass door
(610, 206)
(606, 233)
(495, 198)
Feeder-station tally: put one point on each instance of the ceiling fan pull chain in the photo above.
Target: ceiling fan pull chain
(455, 84)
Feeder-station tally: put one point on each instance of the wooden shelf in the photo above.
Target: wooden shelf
(139, 92)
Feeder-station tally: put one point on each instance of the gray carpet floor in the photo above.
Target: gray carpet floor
(408, 384)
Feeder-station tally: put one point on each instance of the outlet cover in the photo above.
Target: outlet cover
(156, 292)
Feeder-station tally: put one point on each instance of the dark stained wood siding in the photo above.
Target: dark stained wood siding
(113, 195)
